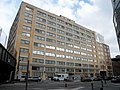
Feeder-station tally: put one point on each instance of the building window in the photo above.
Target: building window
(60, 69)
(85, 65)
(39, 44)
(83, 48)
(25, 42)
(60, 31)
(29, 9)
(51, 17)
(85, 70)
(77, 58)
(37, 68)
(76, 27)
(61, 37)
(76, 41)
(61, 21)
(38, 52)
(49, 62)
(40, 38)
(68, 50)
(61, 43)
(26, 27)
(60, 49)
(77, 64)
(69, 45)
(50, 47)
(76, 32)
(91, 65)
(51, 23)
(41, 13)
(50, 40)
(36, 74)
(51, 28)
(69, 57)
(38, 60)
(70, 70)
(69, 39)
(28, 15)
(68, 24)
(69, 29)
(41, 19)
(23, 67)
(90, 60)
(25, 50)
(89, 45)
(60, 26)
(88, 40)
(40, 25)
(60, 55)
(84, 39)
(40, 31)
(82, 53)
(69, 34)
(69, 64)
(26, 34)
(49, 69)
(50, 54)
(75, 36)
(27, 21)
(77, 52)
(76, 47)
(84, 59)
(22, 58)
(78, 70)
(51, 34)
(60, 63)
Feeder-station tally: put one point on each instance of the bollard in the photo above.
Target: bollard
(102, 83)
(101, 88)
(92, 85)
(105, 81)
(65, 84)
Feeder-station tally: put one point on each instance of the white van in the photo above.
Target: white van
(60, 77)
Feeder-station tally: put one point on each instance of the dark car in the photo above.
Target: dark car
(34, 79)
(86, 79)
(116, 80)
(97, 79)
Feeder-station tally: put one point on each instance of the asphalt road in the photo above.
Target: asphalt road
(61, 85)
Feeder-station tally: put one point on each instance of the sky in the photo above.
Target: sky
(95, 15)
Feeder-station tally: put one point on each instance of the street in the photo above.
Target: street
(61, 85)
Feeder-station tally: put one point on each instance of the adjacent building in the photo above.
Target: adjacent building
(116, 65)
(116, 18)
(55, 44)
(7, 65)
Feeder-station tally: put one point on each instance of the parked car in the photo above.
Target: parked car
(60, 77)
(97, 79)
(34, 79)
(86, 79)
(116, 80)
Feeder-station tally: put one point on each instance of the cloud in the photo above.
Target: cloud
(8, 10)
(92, 14)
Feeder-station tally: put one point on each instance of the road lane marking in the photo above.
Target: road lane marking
(78, 88)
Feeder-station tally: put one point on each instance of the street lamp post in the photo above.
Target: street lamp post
(18, 64)
(27, 72)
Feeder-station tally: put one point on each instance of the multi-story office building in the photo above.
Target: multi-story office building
(116, 18)
(53, 44)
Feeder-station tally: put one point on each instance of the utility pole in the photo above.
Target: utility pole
(18, 64)
(27, 72)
